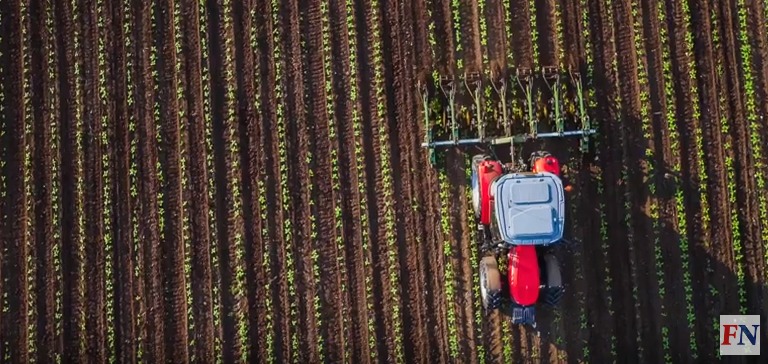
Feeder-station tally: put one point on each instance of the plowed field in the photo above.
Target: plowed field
(243, 181)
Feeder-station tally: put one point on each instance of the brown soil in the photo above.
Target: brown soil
(306, 261)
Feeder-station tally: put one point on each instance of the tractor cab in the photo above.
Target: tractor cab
(528, 208)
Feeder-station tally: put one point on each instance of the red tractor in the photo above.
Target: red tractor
(521, 216)
(519, 207)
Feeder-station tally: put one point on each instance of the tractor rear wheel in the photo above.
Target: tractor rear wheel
(490, 283)
(554, 289)
(476, 160)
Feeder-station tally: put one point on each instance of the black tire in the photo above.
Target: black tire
(553, 292)
(490, 283)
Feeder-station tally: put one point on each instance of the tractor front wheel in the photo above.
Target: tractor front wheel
(490, 283)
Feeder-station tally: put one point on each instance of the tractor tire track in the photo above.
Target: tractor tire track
(228, 223)
(172, 249)
(641, 254)
(43, 183)
(356, 299)
(201, 274)
(497, 37)
(298, 154)
(331, 327)
(250, 133)
(122, 204)
(148, 204)
(15, 327)
(750, 259)
(95, 326)
(398, 114)
(680, 334)
(715, 170)
(72, 297)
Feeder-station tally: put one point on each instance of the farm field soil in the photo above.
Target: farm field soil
(244, 181)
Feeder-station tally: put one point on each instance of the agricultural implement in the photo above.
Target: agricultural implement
(519, 206)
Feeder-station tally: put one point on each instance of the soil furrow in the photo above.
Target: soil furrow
(684, 119)
(45, 334)
(352, 236)
(662, 162)
(547, 40)
(758, 15)
(228, 224)
(418, 158)
(572, 260)
(421, 47)
(497, 37)
(751, 254)
(432, 249)
(72, 299)
(612, 150)
(147, 188)
(460, 257)
(471, 53)
(140, 305)
(94, 192)
(122, 203)
(298, 155)
(574, 36)
(719, 209)
(637, 167)
(445, 48)
(324, 204)
(202, 300)
(251, 174)
(394, 75)
(601, 305)
(726, 293)
(754, 257)
(15, 328)
(522, 45)
(172, 249)
(374, 110)
(426, 190)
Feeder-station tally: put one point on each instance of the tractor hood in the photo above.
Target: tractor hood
(529, 208)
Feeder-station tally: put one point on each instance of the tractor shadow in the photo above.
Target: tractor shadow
(660, 297)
